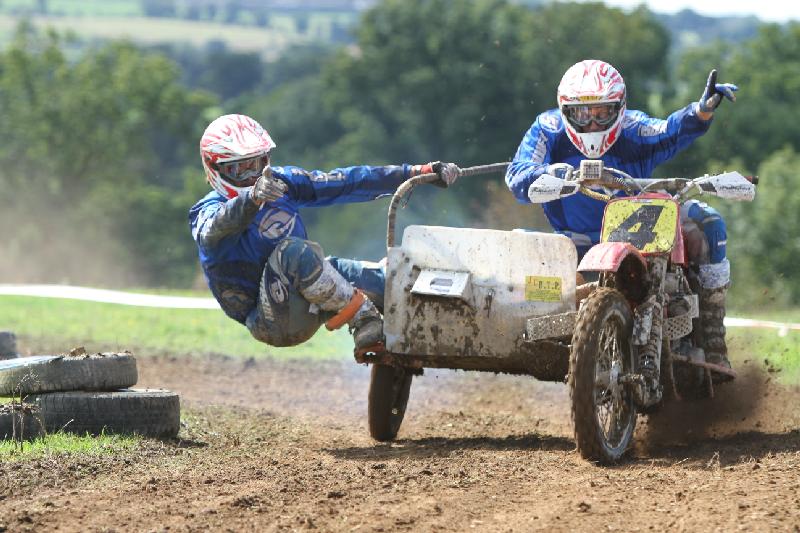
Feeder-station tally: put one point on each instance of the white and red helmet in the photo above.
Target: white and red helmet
(592, 91)
(234, 150)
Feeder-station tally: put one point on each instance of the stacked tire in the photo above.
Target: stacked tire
(8, 345)
(83, 394)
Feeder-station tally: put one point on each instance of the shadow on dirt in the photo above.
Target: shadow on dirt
(444, 447)
(186, 443)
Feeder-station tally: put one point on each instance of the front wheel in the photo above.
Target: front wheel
(603, 410)
(389, 388)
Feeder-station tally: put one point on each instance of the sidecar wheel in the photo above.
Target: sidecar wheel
(603, 410)
(389, 388)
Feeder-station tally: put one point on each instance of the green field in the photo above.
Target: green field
(99, 327)
(269, 42)
(102, 327)
(71, 7)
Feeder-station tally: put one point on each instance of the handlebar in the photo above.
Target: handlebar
(406, 187)
(593, 174)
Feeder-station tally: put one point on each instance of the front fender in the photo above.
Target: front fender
(608, 256)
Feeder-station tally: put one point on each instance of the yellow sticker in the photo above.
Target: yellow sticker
(542, 289)
(650, 224)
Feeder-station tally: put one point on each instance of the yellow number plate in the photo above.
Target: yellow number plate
(648, 224)
(542, 289)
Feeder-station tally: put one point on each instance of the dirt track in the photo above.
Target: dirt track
(273, 445)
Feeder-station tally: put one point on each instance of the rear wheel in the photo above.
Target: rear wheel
(603, 410)
(389, 388)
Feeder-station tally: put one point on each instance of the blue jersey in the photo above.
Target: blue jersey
(235, 237)
(644, 143)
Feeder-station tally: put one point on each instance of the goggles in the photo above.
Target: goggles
(243, 172)
(581, 115)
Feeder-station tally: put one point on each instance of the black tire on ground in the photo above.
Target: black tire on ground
(8, 345)
(51, 373)
(603, 412)
(389, 388)
(25, 423)
(151, 413)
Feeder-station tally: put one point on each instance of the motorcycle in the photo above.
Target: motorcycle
(643, 306)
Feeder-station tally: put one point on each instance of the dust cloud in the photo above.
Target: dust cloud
(49, 245)
(754, 402)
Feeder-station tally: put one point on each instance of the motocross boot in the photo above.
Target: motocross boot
(331, 292)
(367, 328)
(712, 315)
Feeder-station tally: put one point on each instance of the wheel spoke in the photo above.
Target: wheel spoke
(611, 401)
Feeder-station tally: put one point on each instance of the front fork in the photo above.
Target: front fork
(645, 383)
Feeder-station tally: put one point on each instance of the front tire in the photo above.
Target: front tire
(603, 409)
(389, 388)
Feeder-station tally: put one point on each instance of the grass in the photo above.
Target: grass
(780, 355)
(100, 327)
(65, 443)
(115, 327)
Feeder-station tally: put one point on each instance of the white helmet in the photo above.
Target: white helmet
(592, 91)
(234, 149)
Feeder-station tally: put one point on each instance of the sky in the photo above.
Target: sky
(766, 10)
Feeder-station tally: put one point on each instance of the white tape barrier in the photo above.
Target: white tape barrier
(184, 302)
(782, 327)
(111, 297)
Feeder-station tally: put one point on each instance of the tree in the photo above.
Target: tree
(469, 81)
(463, 86)
(93, 151)
(766, 115)
(763, 235)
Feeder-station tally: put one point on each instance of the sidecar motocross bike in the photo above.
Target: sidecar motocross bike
(508, 301)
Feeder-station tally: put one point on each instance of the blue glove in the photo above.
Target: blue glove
(714, 92)
(560, 170)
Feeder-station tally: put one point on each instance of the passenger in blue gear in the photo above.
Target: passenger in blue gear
(253, 246)
(592, 122)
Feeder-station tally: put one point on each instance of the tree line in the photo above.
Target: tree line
(99, 145)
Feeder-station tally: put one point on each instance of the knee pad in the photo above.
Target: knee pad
(297, 260)
(285, 323)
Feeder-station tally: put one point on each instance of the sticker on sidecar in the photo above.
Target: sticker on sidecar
(542, 289)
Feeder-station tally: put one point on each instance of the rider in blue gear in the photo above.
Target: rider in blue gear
(253, 245)
(592, 122)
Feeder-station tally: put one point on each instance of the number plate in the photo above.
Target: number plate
(649, 224)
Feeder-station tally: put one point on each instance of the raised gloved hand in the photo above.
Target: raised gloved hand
(268, 188)
(560, 170)
(712, 95)
(448, 172)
